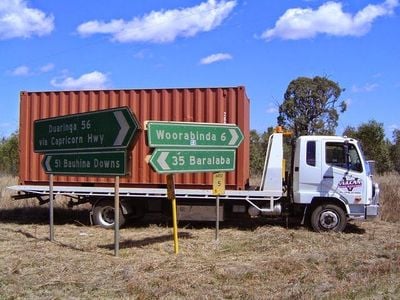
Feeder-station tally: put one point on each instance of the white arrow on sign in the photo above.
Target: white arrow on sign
(234, 138)
(123, 124)
(47, 163)
(161, 160)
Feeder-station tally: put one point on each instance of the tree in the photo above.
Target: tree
(256, 157)
(350, 132)
(395, 150)
(372, 138)
(310, 106)
(258, 150)
(9, 159)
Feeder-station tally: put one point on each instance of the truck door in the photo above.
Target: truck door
(343, 174)
(307, 170)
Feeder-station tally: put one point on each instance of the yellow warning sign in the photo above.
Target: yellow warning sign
(218, 184)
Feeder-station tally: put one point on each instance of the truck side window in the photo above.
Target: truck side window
(335, 155)
(310, 156)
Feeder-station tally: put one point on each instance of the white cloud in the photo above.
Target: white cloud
(26, 71)
(215, 58)
(165, 25)
(366, 88)
(93, 80)
(46, 68)
(18, 20)
(21, 71)
(329, 18)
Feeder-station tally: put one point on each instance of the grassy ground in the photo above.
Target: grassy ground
(250, 261)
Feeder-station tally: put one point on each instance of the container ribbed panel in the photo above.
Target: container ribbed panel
(214, 105)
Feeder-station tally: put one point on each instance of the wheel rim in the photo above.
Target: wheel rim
(107, 215)
(329, 219)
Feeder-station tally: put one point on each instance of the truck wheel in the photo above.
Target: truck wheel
(103, 214)
(328, 217)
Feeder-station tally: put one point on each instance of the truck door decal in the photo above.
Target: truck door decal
(349, 183)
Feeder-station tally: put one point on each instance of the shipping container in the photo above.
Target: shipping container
(211, 105)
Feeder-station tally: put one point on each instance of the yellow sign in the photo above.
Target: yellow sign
(218, 184)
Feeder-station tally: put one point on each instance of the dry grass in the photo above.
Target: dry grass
(261, 262)
(255, 261)
(5, 194)
(390, 197)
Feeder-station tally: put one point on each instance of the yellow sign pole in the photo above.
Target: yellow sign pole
(171, 196)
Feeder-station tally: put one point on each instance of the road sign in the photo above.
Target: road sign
(183, 134)
(185, 160)
(218, 184)
(97, 130)
(86, 163)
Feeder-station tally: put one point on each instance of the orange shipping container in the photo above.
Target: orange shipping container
(211, 105)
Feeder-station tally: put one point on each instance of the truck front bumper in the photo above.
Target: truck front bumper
(371, 211)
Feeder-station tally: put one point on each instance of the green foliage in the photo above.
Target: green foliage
(9, 155)
(395, 150)
(311, 106)
(372, 138)
(258, 149)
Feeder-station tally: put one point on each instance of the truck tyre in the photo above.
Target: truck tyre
(103, 214)
(328, 217)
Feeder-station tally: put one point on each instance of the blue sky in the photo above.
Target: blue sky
(263, 45)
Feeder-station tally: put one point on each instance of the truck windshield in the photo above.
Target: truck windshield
(336, 156)
(366, 164)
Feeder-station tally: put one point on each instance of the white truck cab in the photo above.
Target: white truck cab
(332, 178)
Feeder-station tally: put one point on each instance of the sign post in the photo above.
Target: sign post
(185, 160)
(182, 147)
(196, 135)
(91, 131)
(86, 144)
(171, 196)
(218, 189)
(102, 163)
(116, 216)
(51, 206)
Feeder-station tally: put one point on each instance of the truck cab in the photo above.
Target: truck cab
(332, 180)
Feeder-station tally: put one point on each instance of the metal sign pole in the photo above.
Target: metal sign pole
(116, 216)
(217, 219)
(51, 207)
(218, 189)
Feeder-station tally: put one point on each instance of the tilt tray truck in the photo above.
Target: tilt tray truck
(330, 180)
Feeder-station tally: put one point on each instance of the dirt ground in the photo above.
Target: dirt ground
(252, 261)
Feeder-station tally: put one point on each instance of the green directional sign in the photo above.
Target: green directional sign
(165, 160)
(97, 130)
(199, 135)
(86, 163)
